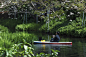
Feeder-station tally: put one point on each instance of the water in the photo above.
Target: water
(78, 48)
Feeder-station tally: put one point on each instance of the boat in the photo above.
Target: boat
(56, 43)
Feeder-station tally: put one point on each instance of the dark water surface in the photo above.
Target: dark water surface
(78, 48)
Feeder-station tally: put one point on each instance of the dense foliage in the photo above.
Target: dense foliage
(10, 23)
(27, 27)
(9, 38)
(65, 17)
(23, 49)
(3, 29)
(73, 29)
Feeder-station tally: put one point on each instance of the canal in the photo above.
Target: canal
(77, 49)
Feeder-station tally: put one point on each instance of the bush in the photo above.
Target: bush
(5, 43)
(43, 28)
(3, 29)
(66, 30)
(10, 23)
(29, 27)
(78, 33)
(73, 31)
(24, 49)
(18, 37)
(84, 32)
(53, 26)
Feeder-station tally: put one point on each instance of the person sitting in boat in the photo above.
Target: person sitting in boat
(56, 38)
(52, 39)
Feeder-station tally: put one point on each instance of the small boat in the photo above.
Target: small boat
(48, 42)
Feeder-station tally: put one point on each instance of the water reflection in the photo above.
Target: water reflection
(78, 48)
(46, 48)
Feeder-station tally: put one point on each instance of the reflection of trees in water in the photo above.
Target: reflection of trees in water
(78, 49)
(65, 51)
(45, 48)
(42, 48)
(84, 49)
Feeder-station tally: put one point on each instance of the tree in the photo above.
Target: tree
(57, 7)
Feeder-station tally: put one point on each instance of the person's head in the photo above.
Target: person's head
(53, 36)
(57, 33)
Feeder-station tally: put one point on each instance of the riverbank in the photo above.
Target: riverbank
(22, 32)
(71, 28)
(12, 30)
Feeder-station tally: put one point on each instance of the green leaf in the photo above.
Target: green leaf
(25, 47)
(25, 55)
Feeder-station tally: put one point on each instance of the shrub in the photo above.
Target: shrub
(43, 28)
(78, 33)
(18, 37)
(5, 43)
(24, 49)
(84, 32)
(10, 23)
(3, 29)
(53, 26)
(30, 26)
(66, 29)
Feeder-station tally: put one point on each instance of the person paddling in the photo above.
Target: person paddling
(57, 38)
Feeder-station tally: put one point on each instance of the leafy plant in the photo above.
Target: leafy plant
(24, 49)
(21, 49)
(10, 24)
(29, 27)
(3, 29)
(18, 37)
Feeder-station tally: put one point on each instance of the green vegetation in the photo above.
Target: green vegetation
(18, 36)
(23, 49)
(17, 44)
(10, 23)
(73, 29)
(14, 33)
(3, 29)
(28, 27)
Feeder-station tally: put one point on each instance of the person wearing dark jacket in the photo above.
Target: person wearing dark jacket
(57, 38)
(52, 39)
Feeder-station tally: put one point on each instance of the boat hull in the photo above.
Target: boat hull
(58, 43)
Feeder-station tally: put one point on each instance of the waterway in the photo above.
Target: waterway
(77, 49)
